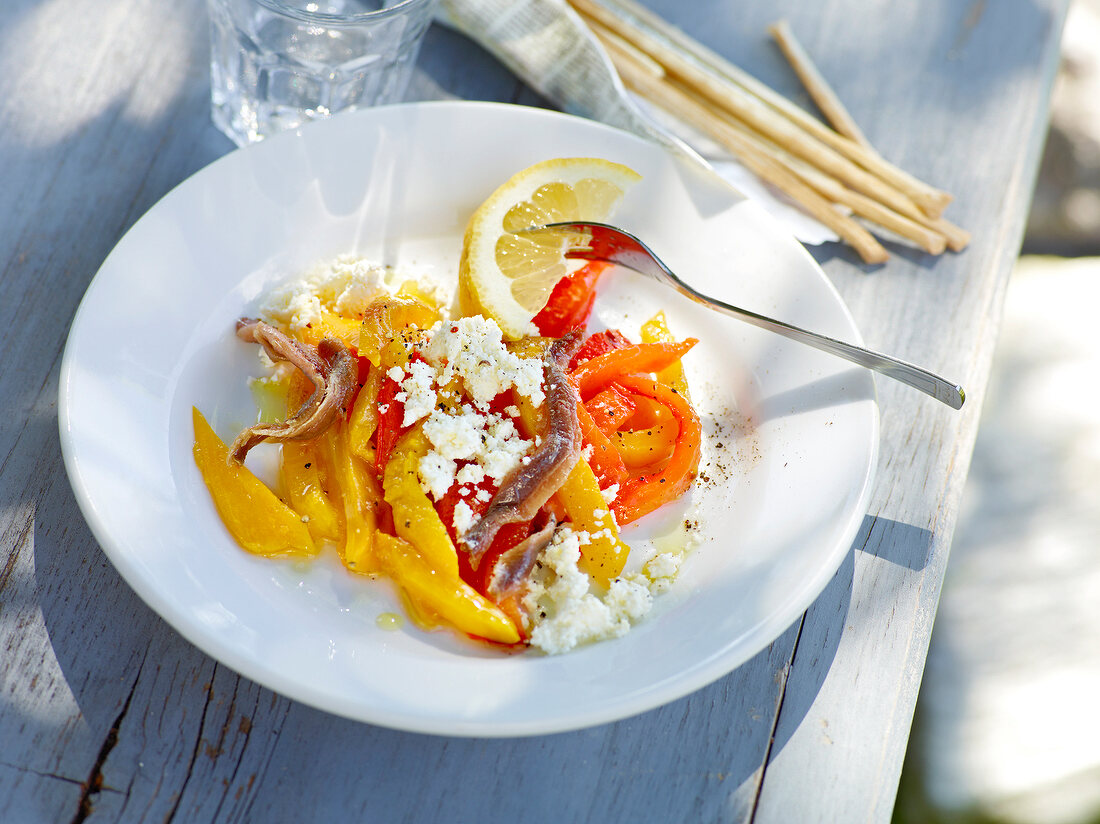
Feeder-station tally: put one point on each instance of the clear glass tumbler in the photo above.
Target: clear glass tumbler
(275, 64)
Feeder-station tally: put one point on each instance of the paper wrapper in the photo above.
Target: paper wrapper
(547, 45)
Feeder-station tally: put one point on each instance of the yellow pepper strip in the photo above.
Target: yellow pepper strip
(359, 496)
(430, 592)
(332, 325)
(253, 514)
(532, 419)
(414, 517)
(300, 475)
(646, 447)
(364, 416)
(655, 330)
(647, 413)
(605, 556)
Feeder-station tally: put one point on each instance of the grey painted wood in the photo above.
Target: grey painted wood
(103, 109)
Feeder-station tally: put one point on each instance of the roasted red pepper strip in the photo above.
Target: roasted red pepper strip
(610, 409)
(570, 302)
(508, 536)
(593, 375)
(599, 452)
(640, 496)
(445, 507)
(391, 412)
(599, 343)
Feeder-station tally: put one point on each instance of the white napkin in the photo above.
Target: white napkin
(547, 45)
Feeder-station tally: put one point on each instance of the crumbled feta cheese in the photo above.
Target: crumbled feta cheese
(302, 310)
(629, 597)
(662, 569)
(362, 285)
(471, 474)
(463, 518)
(345, 285)
(610, 494)
(457, 435)
(607, 532)
(487, 441)
(420, 392)
(436, 474)
(503, 448)
(473, 349)
(566, 612)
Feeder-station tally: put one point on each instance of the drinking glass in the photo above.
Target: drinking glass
(275, 64)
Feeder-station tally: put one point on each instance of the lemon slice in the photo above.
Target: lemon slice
(508, 277)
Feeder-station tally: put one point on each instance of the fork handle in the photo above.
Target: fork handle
(921, 379)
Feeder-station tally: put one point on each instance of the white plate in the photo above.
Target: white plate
(153, 336)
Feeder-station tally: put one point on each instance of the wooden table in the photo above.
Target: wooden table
(108, 714)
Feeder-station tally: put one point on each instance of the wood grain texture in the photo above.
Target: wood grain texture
(106, 714)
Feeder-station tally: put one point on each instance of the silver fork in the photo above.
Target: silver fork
(608, 243)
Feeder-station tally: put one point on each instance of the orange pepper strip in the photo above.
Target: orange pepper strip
(254, 515)
(640, 496)
(610, 409)
(593, 375)
(604, 460)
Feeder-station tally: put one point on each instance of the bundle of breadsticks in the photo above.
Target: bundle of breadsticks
(832, 172)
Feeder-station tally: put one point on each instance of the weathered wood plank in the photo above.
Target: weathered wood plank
(32, 796)
(254, 756)
(993, 193)
(90, 136)
(943, 63)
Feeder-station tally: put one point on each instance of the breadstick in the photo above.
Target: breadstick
(679, 102)
(697, 65)
(815, 84)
